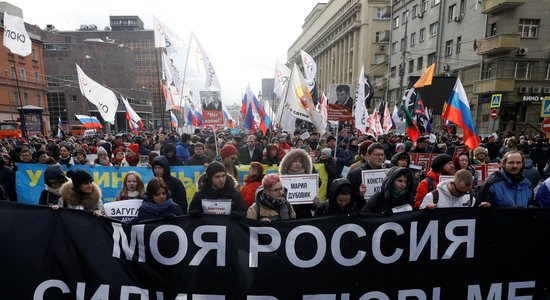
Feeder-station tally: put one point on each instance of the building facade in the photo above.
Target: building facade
(496, 47)
(343, 35)
(22, 84)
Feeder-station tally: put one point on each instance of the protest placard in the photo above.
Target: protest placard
(216, 206)
(124, 211)
(301, 189)
(372, 179)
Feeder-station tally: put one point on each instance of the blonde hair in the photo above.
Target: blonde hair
(464, 176)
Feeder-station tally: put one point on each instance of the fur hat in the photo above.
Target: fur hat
(228, 150)
(79, 177)
(440, 161)
(479, 150)
(326, 151)
(213, 168)
(101, 150)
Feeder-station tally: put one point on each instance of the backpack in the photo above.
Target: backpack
(435, 197)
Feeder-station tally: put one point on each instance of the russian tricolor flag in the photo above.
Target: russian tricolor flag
(458, 112)
(89, 122)
(173, 120)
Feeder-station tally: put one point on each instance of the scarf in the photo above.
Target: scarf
(278, 205)
(52, 190)
(133, 161)
(133, 195)
(398, 197)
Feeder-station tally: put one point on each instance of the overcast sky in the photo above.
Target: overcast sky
(242, 37)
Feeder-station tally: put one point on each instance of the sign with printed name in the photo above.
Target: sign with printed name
(301, 189)
(372, 179)
(496, 99)
(216, 206)
(125, 210)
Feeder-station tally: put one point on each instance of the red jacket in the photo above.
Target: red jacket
(422, 188)
(249, 189)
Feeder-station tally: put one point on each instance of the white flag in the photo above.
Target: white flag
(387, 123)
(16, 37)
(103, 98)
(198, 59)
(360, 109)
(298, 100)
(282, 73)
(324, 113)
(133, 119)
(310, 69)
(166, 38)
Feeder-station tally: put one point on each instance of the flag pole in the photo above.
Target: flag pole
(215, 140)
(21, 113)
(160, 89)
(185, 70)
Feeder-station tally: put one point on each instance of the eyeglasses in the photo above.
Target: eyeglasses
(277, 190)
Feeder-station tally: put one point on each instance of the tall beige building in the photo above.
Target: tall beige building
(343, 35)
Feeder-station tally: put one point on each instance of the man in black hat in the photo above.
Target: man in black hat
(421, 145)
(215, 185)
(441, 165)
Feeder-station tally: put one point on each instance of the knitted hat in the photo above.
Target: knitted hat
(326, 151)
(331, 137)
(228, 150)
(364, 147)
(480, 150)
(79, 177)
(134, 148)
(81, 151)
(400, 146)
(101, 150)
(257, 166)
(117, 151)
(440, 161)
(213, 168)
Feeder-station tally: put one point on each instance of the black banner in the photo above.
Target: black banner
(440, 254)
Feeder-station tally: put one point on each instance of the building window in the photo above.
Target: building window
(39, 100)
(392, 71)
(413, 38)
(422, 34)
(12, 69)
(36, 77)
(487, 71)
(420, 63)
(436, 2)
(378, 13)
(547, 77)
(394, 47)
(462, 7)
(493, 30)
(404, 16)
(23, 74)
(378, 37)
(433, 29)
(452, 13)
(424, 6)
(403, 43)
(34, 55)
(396, 22)
(378, 59)
(25, 99)
(411, 65)
(529, 28)
(414, 11)
(523, 69)
(449, 48)
(458, 42)
(431, 58)
(73, 98)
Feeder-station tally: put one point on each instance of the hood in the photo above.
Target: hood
(170, 148)
(392, 175)
(54, 173)
(162, 161)
(205, 185)
(337, 186)
(293, 154)
(399, 156)
(88, 201)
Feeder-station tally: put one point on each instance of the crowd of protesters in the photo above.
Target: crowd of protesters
(521, 181)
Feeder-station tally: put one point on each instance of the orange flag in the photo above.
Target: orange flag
(426, 78)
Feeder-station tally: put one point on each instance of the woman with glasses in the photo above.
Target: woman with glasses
(271, 203)
(54, 179)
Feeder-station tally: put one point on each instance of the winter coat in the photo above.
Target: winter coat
(446, 199)
(245, 158)
(72, 199)
(258, 211)
(501, 191)
(182, 151)
(330, 207)
(229, 191)
(7, 181)
(542, 199)
(423, 188)
(150, 210)
(383, 202)
(48, 198)
(175, 187)
(198, 160)
(251, 183)
(530, 172)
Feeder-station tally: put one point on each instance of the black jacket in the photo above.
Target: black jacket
(175, 187)
(330, 207)
(205, 191)
(384, 202)
(244, 155)
(356, 178)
